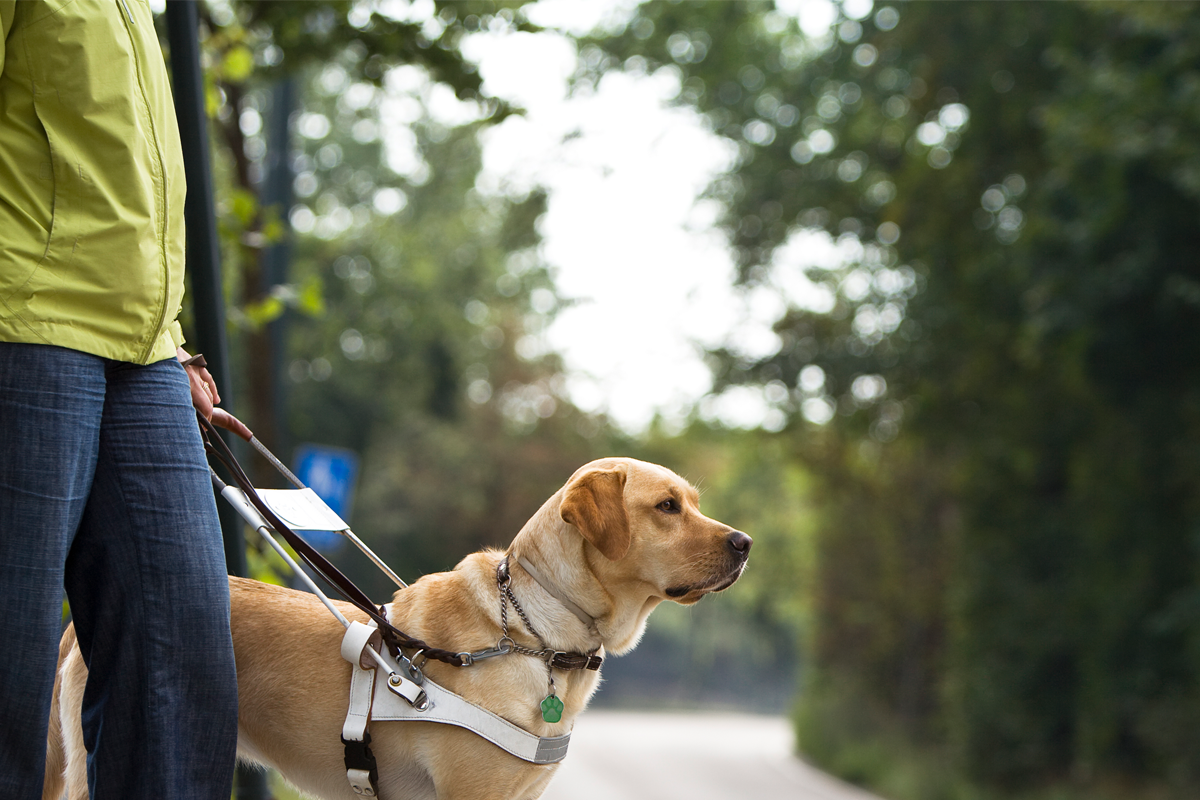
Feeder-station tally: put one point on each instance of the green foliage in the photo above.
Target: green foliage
(410, 309)
(411, 320)
(426, 357)
(750, 481)
(981, 520)
(738, 650)
(1007, 569)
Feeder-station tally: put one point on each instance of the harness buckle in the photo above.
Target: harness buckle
(413, 694)
(572, 661)
(361, 768)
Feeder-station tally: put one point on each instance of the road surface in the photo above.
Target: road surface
(703, 756)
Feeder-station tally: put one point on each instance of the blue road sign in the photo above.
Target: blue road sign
(331, 472)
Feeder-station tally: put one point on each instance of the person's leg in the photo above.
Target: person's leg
(51, 400)
(150, 598)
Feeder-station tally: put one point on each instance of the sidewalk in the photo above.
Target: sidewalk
(704, 756)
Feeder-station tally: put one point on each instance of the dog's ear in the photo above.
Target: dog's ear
(595, 504)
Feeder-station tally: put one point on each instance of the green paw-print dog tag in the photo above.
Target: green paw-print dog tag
(552, 709)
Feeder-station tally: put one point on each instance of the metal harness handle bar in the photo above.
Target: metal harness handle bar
(392, 636)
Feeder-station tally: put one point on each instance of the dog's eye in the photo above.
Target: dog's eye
(669, 506)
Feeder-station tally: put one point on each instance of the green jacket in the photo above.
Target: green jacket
(91, 181)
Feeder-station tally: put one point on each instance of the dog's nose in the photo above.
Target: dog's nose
(739, 542)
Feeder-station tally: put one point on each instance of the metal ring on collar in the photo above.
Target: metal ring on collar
(415, 672)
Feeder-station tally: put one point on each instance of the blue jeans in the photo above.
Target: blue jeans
(104, 489)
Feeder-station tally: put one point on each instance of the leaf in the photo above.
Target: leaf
(244, 206)
(264, 311)
(273, 231)
(311, 299)
(238, 64)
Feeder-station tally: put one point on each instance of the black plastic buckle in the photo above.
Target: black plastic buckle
(358, 755)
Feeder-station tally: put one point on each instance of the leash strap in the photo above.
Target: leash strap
(395, 638)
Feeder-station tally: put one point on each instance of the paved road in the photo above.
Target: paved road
(704, 756)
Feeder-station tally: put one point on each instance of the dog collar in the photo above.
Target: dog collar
(553, 590)
(554, 658)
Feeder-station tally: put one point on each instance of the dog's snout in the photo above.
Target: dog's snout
(739, 542)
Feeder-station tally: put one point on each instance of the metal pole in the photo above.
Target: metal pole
(277, 198)
(204, 270)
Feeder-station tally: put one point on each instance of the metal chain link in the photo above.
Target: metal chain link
(504, 582)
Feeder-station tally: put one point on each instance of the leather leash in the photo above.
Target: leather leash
(395, 638)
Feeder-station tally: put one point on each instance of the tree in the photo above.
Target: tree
(414, 303)
(427, 362)
(253, 46)
(996, 384)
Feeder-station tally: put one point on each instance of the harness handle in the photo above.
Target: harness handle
(395, 639)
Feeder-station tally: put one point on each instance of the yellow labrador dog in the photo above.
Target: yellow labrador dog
(619, 538)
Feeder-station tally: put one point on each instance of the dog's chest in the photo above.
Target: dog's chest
(404, 778)
(400, 778)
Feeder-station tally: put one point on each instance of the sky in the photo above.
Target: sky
(631, 244)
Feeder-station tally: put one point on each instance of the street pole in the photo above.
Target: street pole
(276, 197)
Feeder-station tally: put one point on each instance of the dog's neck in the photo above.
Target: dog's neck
(564, 622)
(558, 594)
(558, 553)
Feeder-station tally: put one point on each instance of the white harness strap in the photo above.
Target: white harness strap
(447, 707)
(398, 699)
(362, 679)
(360, 768)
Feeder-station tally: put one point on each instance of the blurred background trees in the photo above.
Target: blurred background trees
(978, 527)
(406, 325)
(994, 391)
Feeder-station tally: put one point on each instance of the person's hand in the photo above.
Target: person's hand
(205, 396)
(204, 388)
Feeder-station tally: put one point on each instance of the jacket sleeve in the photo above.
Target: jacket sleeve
(8, 10)
(176, 332)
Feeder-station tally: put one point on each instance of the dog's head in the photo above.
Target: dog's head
(644, 524)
